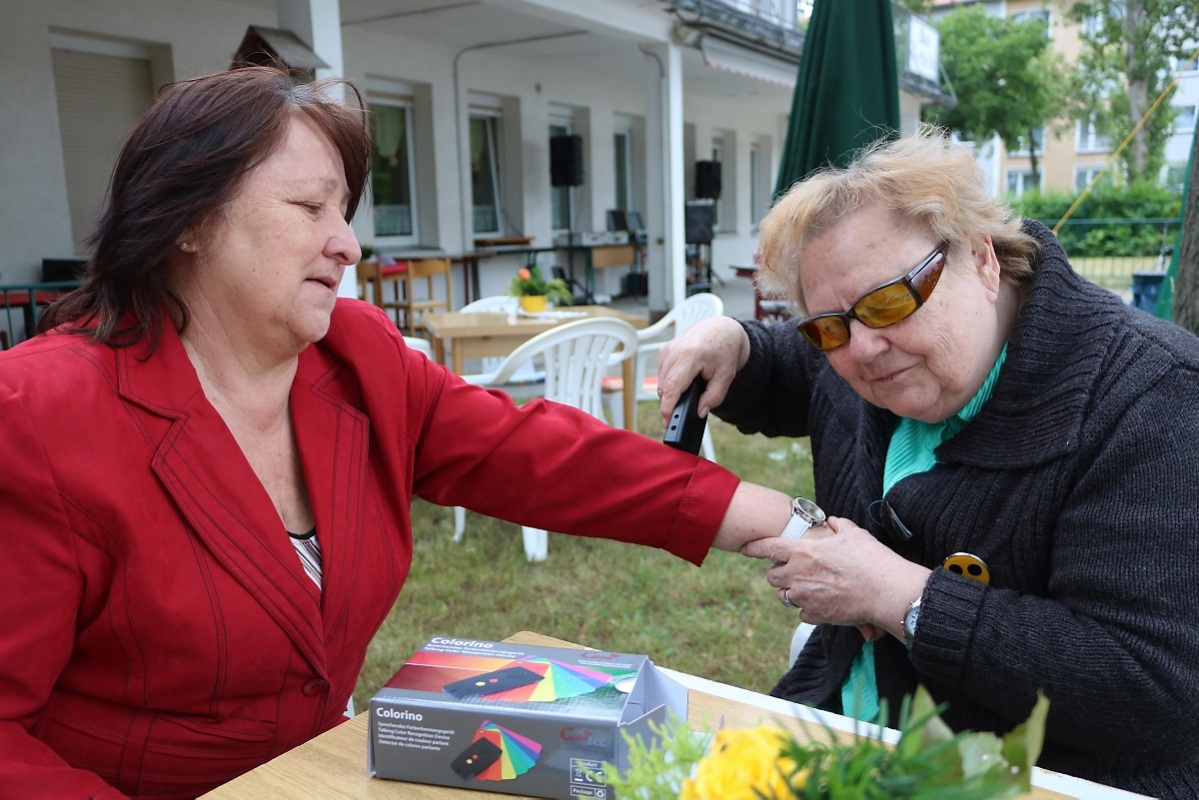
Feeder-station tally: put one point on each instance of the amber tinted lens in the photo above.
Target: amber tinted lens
(825, 333)
(886, 305)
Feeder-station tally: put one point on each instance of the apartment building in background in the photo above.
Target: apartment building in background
(1069, 161)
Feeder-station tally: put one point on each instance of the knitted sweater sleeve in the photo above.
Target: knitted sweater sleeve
(771, 393)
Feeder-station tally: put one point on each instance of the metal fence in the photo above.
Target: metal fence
(1109, 251)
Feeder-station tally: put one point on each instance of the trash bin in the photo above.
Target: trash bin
(1146, 286)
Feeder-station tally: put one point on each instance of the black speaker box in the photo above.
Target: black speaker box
(697, 222)
(62, 269)
(636, 284)
(707, 180)
(566, 160)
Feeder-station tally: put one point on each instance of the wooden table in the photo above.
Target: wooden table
(599, 256)
(482, 335)
(333, 765)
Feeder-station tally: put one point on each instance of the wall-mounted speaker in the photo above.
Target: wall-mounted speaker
(707, 180)
(566, 160)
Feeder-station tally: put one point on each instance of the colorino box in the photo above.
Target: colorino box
(517, 719)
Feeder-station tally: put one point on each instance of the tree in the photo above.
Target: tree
(1125, 64)
(1186, 280)
(1007, 79)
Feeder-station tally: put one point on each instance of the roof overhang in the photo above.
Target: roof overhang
(740, 60)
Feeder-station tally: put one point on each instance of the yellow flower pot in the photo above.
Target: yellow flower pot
(532, 303)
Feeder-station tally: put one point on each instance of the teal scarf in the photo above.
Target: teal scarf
(911, 451)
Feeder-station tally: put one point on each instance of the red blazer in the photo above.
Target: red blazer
(159, 634)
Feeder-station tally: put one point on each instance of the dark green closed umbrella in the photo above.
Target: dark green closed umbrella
(847, 94)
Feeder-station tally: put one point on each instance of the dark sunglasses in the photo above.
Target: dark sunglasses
(883, 305)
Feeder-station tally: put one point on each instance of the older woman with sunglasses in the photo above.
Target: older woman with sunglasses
(1006, 455)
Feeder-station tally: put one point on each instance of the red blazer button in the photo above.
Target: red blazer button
(315, 687)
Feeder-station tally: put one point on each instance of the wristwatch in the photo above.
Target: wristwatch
(911, 619)
(804, 514)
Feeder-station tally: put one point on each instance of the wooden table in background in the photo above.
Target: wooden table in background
(599, 256)
(333, 765)
(483, 335)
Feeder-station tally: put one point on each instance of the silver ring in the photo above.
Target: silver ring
(787, 598)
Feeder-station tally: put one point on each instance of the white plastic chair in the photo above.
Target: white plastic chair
(495, 302)
(419, 345)
(649, 341)
(576, 356)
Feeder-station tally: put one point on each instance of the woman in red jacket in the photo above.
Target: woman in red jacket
(204, 395)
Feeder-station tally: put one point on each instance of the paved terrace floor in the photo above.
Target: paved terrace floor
(737, 294)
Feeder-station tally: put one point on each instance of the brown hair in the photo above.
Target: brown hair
(181, 164)
(929, 181)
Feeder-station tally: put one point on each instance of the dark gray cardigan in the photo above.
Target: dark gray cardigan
(1077, 484)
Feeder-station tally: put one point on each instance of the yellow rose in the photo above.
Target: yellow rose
(743, 764)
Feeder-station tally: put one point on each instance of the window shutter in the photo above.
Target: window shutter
(100, 99)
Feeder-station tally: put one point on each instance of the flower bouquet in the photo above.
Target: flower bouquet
(928, 762)
(530, 283)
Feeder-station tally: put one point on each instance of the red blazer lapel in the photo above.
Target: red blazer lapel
(204, 472)
(333, 438)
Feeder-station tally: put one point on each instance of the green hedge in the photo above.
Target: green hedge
(1134, 220)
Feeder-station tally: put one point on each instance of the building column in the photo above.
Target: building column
(666, 262)
(317, 23)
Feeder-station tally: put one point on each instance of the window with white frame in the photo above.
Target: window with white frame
(1038, 13)
(485, 197)
(561, 206)
(622, 162)
(1185, 119)
(1084, 174)
(757, 184)
(1038, 140)
(1176, 176)
(393, 177)
(1087, 138)
(1019, 181)
(718, 216)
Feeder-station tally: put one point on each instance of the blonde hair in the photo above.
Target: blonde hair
(930, 182)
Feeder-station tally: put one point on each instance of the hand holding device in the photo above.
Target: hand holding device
(685, 430)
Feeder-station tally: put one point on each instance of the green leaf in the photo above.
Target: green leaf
(980, 753)
(1022, 745)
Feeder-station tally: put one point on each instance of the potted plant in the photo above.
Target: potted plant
(534, 289)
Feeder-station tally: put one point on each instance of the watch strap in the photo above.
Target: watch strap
(796, 527)
(804, 514)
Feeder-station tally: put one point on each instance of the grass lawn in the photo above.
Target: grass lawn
(721, 621)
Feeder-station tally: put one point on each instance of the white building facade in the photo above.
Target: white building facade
(466, 95)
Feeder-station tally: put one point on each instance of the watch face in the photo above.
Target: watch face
(910, 620)
(807, 508)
